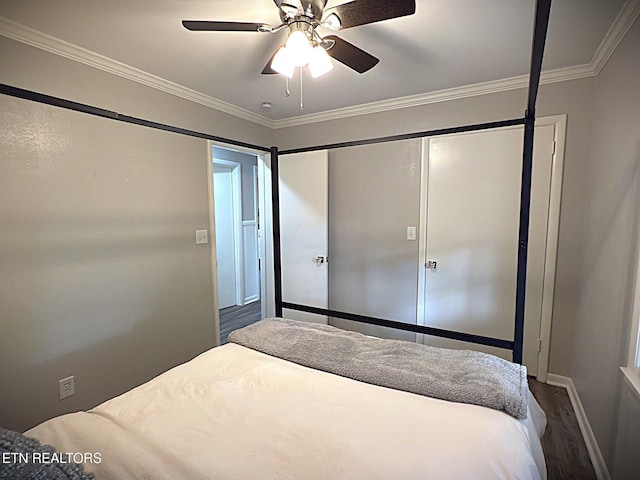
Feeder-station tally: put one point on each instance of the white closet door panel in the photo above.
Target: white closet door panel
(304, 231)
(474, 183)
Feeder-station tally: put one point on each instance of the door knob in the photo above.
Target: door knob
(431, 265)
(320, 259)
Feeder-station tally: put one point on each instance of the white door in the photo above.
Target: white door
(473, 193)
(303, 231)
(223, 192)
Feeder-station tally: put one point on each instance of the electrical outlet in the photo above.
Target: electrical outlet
(67, 387)
(202, 237)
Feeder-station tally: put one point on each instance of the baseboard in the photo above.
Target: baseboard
(597, 460)
(251, 299)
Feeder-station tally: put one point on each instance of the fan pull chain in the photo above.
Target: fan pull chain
(301, 99)
(286, 87)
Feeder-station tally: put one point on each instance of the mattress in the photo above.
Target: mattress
(235, 413)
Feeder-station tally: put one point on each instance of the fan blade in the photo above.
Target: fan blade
(267, 70)
(362, 12)
(211, 26)
(350, 55)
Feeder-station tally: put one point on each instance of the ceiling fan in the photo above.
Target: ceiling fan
(303, 44)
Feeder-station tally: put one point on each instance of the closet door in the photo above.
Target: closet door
(303, 232)
(473, 194)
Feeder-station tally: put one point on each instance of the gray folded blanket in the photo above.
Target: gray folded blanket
(24, 458)
(456, 375)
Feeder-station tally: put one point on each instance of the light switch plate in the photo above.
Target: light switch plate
(202, 237)
(411, 233)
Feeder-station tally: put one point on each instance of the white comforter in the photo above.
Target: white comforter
(233, 413)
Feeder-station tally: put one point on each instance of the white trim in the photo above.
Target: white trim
(623, 22)
(599, 465)
(631, 370)
(422, 238)
(266, 236)
(256, 219)
(255, 180)
(633, 355)
(626, 17)
(634, 337)
(551, 254)
(633, 378)
(250, 233)
(212, 246)
(484, 88)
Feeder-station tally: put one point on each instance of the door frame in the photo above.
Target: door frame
(553, 222)
(266, 232)
(238, 241)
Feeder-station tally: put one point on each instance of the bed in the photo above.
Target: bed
(235, 412)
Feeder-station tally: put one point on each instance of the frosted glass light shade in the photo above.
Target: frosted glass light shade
(299, 48)
(319, 61)
(282, 62)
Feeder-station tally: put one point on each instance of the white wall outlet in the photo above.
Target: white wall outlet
(411, 233)
(202, 237)
(67, 387)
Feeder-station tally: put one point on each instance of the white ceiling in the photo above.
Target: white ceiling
(445, 44)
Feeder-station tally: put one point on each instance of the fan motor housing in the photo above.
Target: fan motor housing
(308, 8)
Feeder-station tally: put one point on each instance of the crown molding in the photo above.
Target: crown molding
(625, 19)
(34, 38)
(484, 88)
(623, 22)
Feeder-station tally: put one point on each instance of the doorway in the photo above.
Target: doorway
(239, 256)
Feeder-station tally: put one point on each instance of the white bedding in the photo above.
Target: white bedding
(234, 413)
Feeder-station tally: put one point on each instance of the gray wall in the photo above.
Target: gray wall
(612, 219)
(100, 276)
(34, 69)
(373, 268)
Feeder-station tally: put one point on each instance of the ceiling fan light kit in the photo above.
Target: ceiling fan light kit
(300, 49)
(281, 62)
(319, 62)
(304, 45)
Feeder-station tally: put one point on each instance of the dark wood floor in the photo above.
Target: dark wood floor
(232, 318)
(564, 448)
